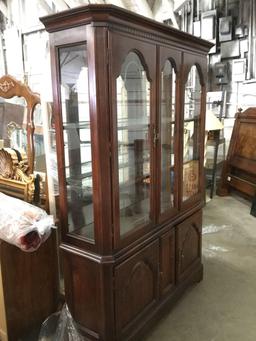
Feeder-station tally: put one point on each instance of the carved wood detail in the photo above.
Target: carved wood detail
(189, 254)
(11, 87)
(138, 299)
(137, 273)
(188, 244)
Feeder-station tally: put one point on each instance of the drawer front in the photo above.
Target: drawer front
(167, 262)
(136, 282)
(188, 242)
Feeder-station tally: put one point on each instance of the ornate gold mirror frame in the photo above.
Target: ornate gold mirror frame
(17, 179)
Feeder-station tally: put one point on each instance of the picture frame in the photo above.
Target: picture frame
(238, 70)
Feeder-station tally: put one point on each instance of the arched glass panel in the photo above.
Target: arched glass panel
(133, 121)
(168, 90)
(191, 146)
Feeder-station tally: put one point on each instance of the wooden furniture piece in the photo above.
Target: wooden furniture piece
(129, 105)
(28, 281)
(16, 175)
(239, 169)
(28, 288)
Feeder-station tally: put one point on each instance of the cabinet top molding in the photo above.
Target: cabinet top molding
(109, 15)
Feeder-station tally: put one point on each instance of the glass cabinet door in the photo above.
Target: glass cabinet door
(77, 139)
(167, 128)
(191, 133)
(133, 124)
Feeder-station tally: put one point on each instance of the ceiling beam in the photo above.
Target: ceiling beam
(45, 6)
(72, 3)
(178, 4)
(3, 8)
(140, 7)
(118, 3)
(60, 5)
(144, 8)
(164, 11)
(97, 1)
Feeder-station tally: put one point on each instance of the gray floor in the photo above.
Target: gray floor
(223, 306)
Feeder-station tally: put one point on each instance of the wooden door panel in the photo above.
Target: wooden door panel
(188, 243)
(167, 262)
(136, 285)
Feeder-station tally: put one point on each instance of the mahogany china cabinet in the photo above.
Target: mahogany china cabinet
(129, 105)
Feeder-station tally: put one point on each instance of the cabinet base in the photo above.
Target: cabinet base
(165, 306)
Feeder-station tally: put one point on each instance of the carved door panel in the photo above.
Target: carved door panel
(136, 287)
(167, 262)
(188, 243)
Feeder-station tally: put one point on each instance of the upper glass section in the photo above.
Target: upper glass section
(77, 138)
(168, 90)
(133, 123)
(191, 144)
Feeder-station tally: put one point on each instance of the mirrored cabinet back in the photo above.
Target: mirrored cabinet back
(129, 106)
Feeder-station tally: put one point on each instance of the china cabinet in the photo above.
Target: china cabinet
(129, 104)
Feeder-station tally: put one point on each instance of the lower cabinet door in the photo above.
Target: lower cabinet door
(167, 262)
(188, 252)
(136, 288)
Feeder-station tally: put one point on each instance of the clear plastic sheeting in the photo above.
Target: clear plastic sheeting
(22, 224)
(211, 228)
(60, 326)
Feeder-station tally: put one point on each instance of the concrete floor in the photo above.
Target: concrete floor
(223, 306)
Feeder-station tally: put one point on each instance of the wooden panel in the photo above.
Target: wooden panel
(136, 285)
(167, 261)
(245, 164)
(188, 243)
(239, 170)
(30, 286)
(89, 292)
(246, 141)
(82, 280)
(242, 185)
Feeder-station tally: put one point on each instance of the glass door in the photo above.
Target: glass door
(167, 136)
(133, 134)
(191, 135)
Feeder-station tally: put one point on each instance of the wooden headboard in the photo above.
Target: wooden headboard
(239, 170)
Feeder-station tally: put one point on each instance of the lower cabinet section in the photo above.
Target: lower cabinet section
(89, 293)
(136, 281)
(112, 299)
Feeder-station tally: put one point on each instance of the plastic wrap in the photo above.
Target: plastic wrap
(22, 224)
(59, 326)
